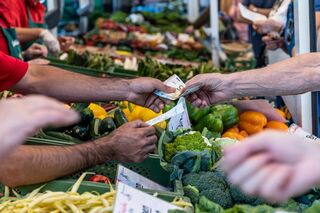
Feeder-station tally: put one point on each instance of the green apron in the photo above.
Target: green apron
(13, 43)
(32, 24)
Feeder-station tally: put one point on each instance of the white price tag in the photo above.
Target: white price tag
(182, 120)
(177, 110)
(298, 131)
(133, 179)
(131, 200)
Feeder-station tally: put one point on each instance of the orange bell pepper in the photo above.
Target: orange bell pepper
(233, 135)
(252, 122)
(244, 134)
(277, 126)
(280, 112)
(234, 129)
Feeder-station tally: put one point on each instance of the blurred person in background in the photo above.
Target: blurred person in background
(263, 7)
(23, 29)
(230, 9)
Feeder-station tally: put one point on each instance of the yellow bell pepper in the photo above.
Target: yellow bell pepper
(98, 111)
(134, 112)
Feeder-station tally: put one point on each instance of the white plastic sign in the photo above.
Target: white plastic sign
(131, 200)
(182, 120)
(133, 179)
(177, 110)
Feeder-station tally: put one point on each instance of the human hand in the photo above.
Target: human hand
(133, 142)
(267, 26)
(273, 43)
(141, 93)
(36, 51)
(24, 117)
(273, 165)
(66, 42)
(212, 90)
(51, 42)
(189, 29)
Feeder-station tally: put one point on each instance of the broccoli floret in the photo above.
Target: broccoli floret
(205, 180)
(239, 197)
(191, 179)
(187, 142)
(221, 197)
(192, 193)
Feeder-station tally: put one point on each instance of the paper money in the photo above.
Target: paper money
(190, 91)
(175, 82)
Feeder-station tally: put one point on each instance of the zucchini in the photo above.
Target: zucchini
(61, 137)
(120, 118)
(107, 125)
(86, 116)
(81, 132)
(94, 127)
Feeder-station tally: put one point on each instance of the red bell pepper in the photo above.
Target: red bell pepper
(100, 179)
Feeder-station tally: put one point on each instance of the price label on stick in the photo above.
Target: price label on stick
(133, 179)
(177, 110)
(182, 120)
(131, 200)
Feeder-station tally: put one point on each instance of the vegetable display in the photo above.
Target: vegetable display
(95, 122)
(70, 201)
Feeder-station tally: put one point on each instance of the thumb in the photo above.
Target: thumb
(162, 87)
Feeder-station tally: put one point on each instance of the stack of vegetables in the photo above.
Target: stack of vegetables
(252, 123)
(95, 122)
(69, 201)
(147, 67)
(194, 159)
(224, 121)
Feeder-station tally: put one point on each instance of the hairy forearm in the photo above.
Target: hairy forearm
(38, 164)
(28, 34)
(290, 77)
(71, 87)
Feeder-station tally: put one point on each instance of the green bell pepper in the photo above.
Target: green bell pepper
(229, 114)
(196, 114)
(168, 107)
(211, 122)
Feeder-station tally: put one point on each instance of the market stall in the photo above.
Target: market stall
(184, 172)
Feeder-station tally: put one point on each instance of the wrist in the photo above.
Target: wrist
(96, 152)
(229, 85)
(129, 94)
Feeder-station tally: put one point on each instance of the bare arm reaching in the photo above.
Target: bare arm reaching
(290, 77)
(72, 87)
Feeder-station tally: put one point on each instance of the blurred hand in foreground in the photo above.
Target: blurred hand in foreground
(24, 117)
(275, 166)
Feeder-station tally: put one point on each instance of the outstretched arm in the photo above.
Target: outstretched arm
(290, 77)
(72, 87)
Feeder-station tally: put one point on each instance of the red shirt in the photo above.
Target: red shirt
(14, 13)
(12, 70)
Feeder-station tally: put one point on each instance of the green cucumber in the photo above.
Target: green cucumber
(81, 132)
(120, 118)
(107, 125)
(94, 127)
(61, 137)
